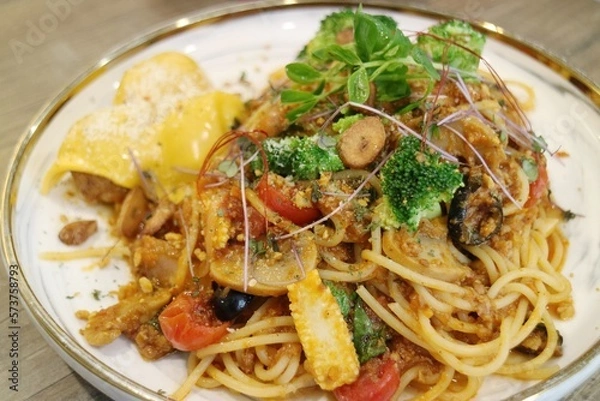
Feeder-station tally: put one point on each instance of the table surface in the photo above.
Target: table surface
(32, 74)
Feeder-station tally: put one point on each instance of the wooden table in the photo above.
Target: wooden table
(83, 31)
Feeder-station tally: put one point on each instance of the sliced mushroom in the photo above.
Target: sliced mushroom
(267, 275)
(98, 189)
(77, 232)
(427, 251)
(360, 144)
(133, 212)
(160, 215)
(475, 213)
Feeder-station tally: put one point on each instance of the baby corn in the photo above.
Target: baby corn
(327, 342)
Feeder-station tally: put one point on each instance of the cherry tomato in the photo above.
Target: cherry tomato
(378, 380)
(282, 203)
(539, 187)
(189, 322)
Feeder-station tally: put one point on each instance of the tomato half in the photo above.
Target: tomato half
(378, 380)
(282, 204)
(539, 187)
(189, 322)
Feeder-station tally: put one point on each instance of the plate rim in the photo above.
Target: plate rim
(66, 345)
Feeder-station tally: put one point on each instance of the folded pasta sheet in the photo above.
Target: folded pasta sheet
(164, 119)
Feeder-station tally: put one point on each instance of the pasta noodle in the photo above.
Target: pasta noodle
(434, 301)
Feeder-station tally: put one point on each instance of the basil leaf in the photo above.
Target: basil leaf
(305, 107)
(391, 89)
(343, 54)
(368, 336)
(392, 84)
(400, 45)
(366, 35)
(358, 86)
(386, 22)
(321, 55)
(393, 70)
(302, 73)
(421, 58)
(409, 107)
(374, 34)
(296, 96)
(343, 297)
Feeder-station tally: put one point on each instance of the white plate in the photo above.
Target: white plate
(255, 40)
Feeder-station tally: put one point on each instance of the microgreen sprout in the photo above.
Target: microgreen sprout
(378, 54)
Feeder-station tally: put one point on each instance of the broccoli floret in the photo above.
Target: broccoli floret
(344, 123)
(459, 32)
(330, 27)
(414, 182)
(303, 158)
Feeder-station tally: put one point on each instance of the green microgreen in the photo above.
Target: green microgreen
(530, 168)
(379, 55)
(228, 167)
(539, 143)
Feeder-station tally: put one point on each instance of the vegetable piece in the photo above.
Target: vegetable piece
(98, 189)
(324, 335)
(346, 122)
(133, 212)
(157, 260)
(226, 220)
(378, 380)
(124, 317)
(475, 214)
(269, 274)
(158, 217)
(334, 29)
(368, 334)
(362, 142)
(276, 200)
(363, 59)
(439, 44)
(189, 322)
(539, 187)
(427, 251)
(536, 342)
(77, 232)
(304, 158)
(229, 304)
(343, 296)
(414, 182)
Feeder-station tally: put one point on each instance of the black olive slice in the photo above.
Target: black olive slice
(475, 213)
(536, 341)
(229, 304)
